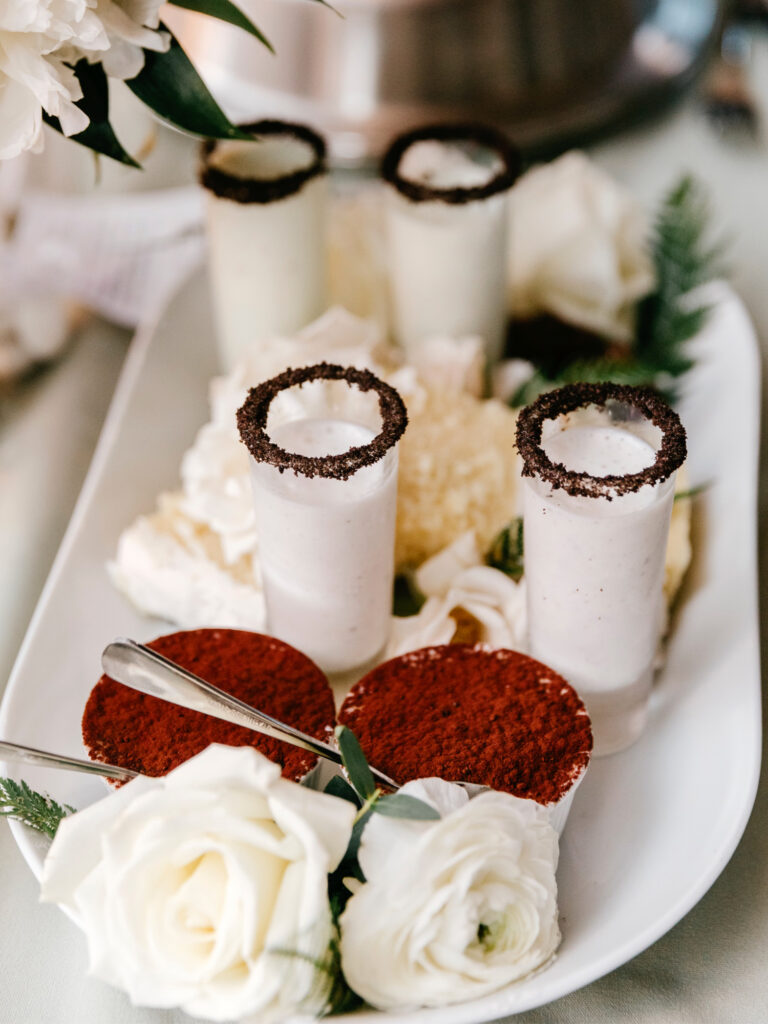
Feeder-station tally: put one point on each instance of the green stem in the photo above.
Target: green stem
(367, 805)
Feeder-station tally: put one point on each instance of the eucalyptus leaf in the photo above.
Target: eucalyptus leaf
(355, 763)
(169, 85)
(401, 805)
(99, 136)
(339, 787)
(223, 10)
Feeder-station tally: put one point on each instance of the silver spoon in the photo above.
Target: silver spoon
(143, 669)
(30, 755)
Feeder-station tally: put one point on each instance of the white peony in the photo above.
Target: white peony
(578, 247)
(457, 578)
(35, 36)
(454, 909)
(131, 27)
(41, 39)
(197, 889)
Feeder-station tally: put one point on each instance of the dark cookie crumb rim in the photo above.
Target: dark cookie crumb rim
(462, 132)
(253, 190)
(670, 456)
(253, 414)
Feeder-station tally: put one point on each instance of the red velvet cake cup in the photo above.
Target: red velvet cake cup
(121, 726)
(471, 714)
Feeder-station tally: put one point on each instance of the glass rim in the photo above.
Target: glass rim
(253, 414)
(259, 190)
(670, 454)
(481, 134)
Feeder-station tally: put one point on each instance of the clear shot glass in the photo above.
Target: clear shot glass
(324, 471)
(447, 233)
(599, 462)
(266, 215)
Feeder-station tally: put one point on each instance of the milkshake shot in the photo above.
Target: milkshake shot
(447, 233)
(265, 216)
(324, 474)
(599, 462)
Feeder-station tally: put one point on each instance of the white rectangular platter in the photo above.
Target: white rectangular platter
(650, 829)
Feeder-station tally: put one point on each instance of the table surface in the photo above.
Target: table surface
(710, 969)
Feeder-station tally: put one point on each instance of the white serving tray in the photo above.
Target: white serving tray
(650, 829)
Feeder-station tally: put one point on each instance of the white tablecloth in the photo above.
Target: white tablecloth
(710, 969)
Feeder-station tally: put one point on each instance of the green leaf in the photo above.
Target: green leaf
(99, 136)
(692, 492)
(355, 763)
(407, 599)
(223, 10)
(339, 787)
(36, 810)
(169, 85)
(401, 805)
(506, 552)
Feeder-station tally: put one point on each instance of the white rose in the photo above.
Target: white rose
(578, 247)
(454, 909)
(457, 578)
(194, 889)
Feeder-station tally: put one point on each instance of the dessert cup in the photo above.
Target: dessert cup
(325, 490)
(266, 209)
(447, 230)
(151, 736)
(483, 717)
(599, 462)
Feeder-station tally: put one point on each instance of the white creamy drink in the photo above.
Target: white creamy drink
(328, 567)
(594, 567)
(325, 493)
(266, 213)
(447, 235)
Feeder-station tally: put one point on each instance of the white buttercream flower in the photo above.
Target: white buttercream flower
(196, 889)
(454, 909)
(579, 247)
(457, 578)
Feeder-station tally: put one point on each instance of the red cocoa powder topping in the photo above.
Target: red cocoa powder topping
(151, 736)
(470, 714)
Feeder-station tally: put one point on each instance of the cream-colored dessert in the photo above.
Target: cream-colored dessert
(265, 219)
(597, 505)
(325, 493)
(446, 234)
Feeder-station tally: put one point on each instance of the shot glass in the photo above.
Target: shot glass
(325, 490)
(447, 233)
(599, 462)
(266, 211)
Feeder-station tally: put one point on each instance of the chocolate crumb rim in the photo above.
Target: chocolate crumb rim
(482, 134)
(253, 414)
(670, 456)
(253, 190)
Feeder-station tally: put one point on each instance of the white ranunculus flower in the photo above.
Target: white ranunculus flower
(578, 247)
(457, 578)
(195, 889)
(454, 909)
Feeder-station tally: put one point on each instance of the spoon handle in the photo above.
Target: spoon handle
(143, 669)
(29, 755)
